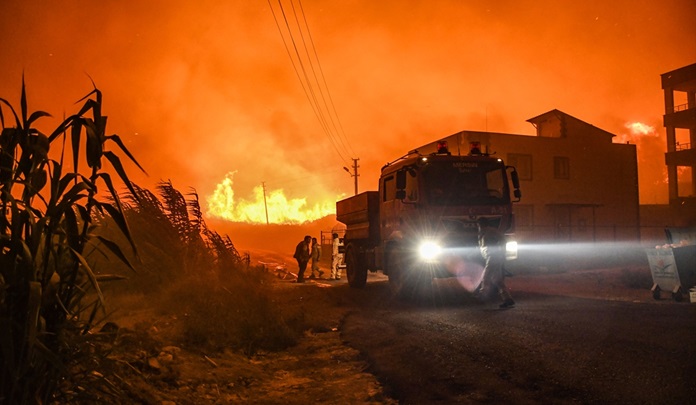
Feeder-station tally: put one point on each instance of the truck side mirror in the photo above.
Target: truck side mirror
(515, 183)
(515, 179)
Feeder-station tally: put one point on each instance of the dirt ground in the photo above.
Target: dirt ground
(320, 369)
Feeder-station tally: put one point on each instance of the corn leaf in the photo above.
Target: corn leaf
(75, 132)
(23, 102)
(116, 163)
(72, 233)
(36, 115)
(18, 123)
(90, 274)
(125, 150)
(120, 220)
(110, 185)
(116, 250)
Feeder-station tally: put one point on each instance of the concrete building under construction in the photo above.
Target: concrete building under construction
(679, 88)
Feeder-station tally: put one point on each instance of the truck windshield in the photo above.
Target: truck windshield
(465, 183)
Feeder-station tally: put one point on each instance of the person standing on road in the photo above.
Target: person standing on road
(492, 246)
(335, 258)
(316, 255)
(302, 255)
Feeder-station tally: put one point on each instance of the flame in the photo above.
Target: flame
(281, 209)
(638, 128)
(636, 131)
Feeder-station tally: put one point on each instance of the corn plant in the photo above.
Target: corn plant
(48, 291)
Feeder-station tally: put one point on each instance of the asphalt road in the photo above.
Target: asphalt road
(548, 349)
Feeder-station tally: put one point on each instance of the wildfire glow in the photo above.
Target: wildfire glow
(638, 128)
(281, 210)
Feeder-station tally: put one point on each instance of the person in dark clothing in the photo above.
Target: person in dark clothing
(492, 246)
(316, 255)
(302, 255)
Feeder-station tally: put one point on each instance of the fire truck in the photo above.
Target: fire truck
(422, 222)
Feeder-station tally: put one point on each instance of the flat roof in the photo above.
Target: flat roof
(682, 79)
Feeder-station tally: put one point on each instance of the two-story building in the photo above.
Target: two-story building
(577, 186)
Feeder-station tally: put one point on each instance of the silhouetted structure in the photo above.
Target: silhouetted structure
(680, 126)
(680, 129)
(576, 184)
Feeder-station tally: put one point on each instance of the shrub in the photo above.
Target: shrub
(230, 313)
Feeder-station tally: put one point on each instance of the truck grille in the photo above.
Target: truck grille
(459, 226)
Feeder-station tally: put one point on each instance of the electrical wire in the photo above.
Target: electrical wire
(338, 142)
(326, 86)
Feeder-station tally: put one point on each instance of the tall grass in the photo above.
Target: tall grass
(48, 210)
(189, 271)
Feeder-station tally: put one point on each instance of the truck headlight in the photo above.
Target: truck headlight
(429, 251)
(511, 250)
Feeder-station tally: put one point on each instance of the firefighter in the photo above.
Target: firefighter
(302, 255)
(335, 258)
(492, 246)
(316, 255)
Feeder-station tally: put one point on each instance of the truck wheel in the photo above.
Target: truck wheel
(404, 282)
(356, 270)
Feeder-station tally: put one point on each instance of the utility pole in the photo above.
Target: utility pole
(263, 184)
(354, 174)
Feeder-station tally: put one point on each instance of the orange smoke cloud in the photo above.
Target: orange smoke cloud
(650, 149)
(192, 88)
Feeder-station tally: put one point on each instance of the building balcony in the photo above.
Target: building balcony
(682, 146)
(682, 157)
(681, 118)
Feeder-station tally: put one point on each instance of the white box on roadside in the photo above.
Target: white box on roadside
(692, 295)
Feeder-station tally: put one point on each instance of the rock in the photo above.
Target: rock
(154, 363)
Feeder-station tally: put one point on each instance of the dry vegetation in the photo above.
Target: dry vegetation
(62, 232)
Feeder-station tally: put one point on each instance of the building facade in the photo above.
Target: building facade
(577, 186)
(679, 87)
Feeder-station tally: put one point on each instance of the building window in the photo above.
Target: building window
(561, 167)
(523, 164)
(524, 216)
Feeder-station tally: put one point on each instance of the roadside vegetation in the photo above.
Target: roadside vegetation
(67, 234)
(190, 271)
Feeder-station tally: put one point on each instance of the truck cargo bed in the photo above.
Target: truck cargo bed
(360, 213)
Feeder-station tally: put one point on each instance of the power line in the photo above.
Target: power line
(334, 136)
(326, 86)
(306, 85)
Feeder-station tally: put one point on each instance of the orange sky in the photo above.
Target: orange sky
(202, 89)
